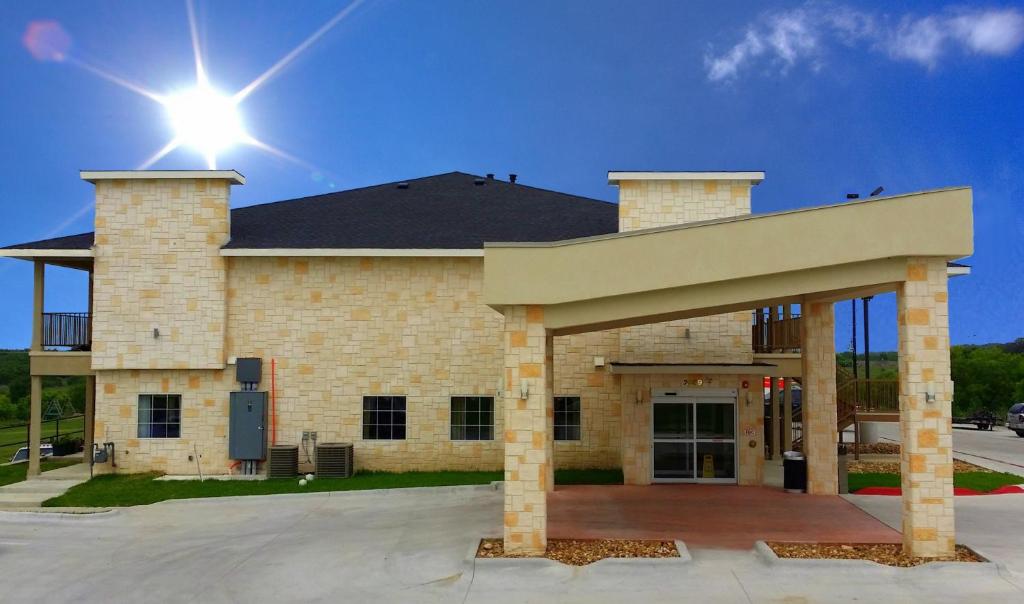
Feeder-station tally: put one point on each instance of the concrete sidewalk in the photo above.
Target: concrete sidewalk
(33, 492)
(406, 545)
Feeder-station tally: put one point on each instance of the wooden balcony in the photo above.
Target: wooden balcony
(70, 330)
(772, 334)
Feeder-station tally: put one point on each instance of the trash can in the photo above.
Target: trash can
(844, 481)
(794, 472)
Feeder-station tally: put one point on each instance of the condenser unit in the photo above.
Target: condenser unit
(284, 461)
(334, 460)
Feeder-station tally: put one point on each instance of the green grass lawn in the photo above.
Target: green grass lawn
(979, 481)
(140, 489)
(16, 472)
(11, 435)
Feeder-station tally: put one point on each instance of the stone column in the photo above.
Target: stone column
(636, 445)
(926, 393)
(787, 415)
(819, 398)
(35, 418)
(773, 404)
(527, 423)
(549, 406)
(88, 432)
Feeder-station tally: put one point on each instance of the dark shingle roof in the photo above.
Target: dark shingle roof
(81, 241)
(446, 211)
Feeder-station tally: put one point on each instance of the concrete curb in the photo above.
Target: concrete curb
(987, 568)
(56, 515)
(472, 563)
(354, 494)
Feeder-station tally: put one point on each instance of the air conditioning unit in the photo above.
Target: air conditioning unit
(334, 460)
(284, 461)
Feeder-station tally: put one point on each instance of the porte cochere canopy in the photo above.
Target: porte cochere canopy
(812, 257)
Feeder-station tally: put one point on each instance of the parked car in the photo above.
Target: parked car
(1015, 419)
(45, 450)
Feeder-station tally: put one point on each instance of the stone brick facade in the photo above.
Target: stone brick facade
(926, 458)
(821, 435)
(527, 436)
(158, 267)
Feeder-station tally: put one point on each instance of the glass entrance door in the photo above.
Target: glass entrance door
(694, 437)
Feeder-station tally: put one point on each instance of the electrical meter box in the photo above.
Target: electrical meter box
(247, 425)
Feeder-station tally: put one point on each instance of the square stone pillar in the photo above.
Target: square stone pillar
(819, 398)
(527, 426)
(926, 393)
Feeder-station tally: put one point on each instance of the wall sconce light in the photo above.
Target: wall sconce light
(524, 389)
(686, 333)
(929, 393)
(598, 361)
(156, 332)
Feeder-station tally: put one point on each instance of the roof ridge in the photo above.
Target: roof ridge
(352, 190)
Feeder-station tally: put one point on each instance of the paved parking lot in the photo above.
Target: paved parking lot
(395, 546)
(998, 449)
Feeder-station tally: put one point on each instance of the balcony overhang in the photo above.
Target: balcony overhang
(652, 275)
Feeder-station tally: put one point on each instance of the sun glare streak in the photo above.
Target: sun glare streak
(171, 146)
(291, 56)
(262, 146)
(115, 79)
(60, 228)
(196, 50)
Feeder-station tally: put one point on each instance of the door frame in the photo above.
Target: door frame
(698, 393)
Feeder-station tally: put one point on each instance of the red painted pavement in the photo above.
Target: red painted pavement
(958, 491)
(709, 516)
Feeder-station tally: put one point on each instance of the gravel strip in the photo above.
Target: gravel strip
(890, 554)
(887, 467)
(580, 552)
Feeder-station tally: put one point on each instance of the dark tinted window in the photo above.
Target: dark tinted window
(472, 418)
(384, 417)
(567, 418)
(159, 415)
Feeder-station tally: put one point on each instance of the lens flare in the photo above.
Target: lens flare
(205, 120)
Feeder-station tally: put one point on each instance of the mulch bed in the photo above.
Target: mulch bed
(580, 552)
(876, 448)
(890, 554)
(893, 467)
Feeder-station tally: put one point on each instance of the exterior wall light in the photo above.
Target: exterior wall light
(524, 389)
(156, 332)
(929, 393)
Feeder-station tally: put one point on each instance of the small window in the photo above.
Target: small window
(472, 418)
(159, 416)
(567, 418)
(384, 417)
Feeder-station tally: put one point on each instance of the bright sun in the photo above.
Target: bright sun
(205, 120)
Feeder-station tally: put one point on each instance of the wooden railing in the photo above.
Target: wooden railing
(67, 330)
(776, 335)
(871, 396)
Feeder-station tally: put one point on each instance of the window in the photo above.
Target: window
(567, 418)
(384, 417)
(159, 416)
(472, 418)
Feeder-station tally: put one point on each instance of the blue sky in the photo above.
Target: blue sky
(827, 98)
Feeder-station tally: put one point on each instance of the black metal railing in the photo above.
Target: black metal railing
(67, 330)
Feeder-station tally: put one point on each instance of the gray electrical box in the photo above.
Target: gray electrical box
(247, 425)
(247, 370)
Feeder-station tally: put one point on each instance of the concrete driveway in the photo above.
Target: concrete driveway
(394, 546)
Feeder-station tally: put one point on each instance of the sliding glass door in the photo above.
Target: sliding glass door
(694, 437)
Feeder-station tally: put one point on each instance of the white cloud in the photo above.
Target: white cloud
(784, 39)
